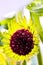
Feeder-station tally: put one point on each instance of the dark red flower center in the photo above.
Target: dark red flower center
(22, 42)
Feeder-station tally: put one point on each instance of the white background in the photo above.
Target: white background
(12, 6)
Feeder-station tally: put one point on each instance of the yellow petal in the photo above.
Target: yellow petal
(2, 59)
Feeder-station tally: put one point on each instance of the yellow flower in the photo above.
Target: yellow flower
(2, 57)
(21, 40)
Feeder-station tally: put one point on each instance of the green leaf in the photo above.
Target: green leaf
(1, 37)
(6, 26)
(37, 24)
(4, 22)
(31, 6)
(24, 62)
(41, 1)
(35, 4)
(39, 11)
(1, 44)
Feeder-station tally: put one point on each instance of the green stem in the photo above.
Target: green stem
(39, 58)
(36, 22)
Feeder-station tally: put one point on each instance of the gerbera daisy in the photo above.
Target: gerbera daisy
(21, 40)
